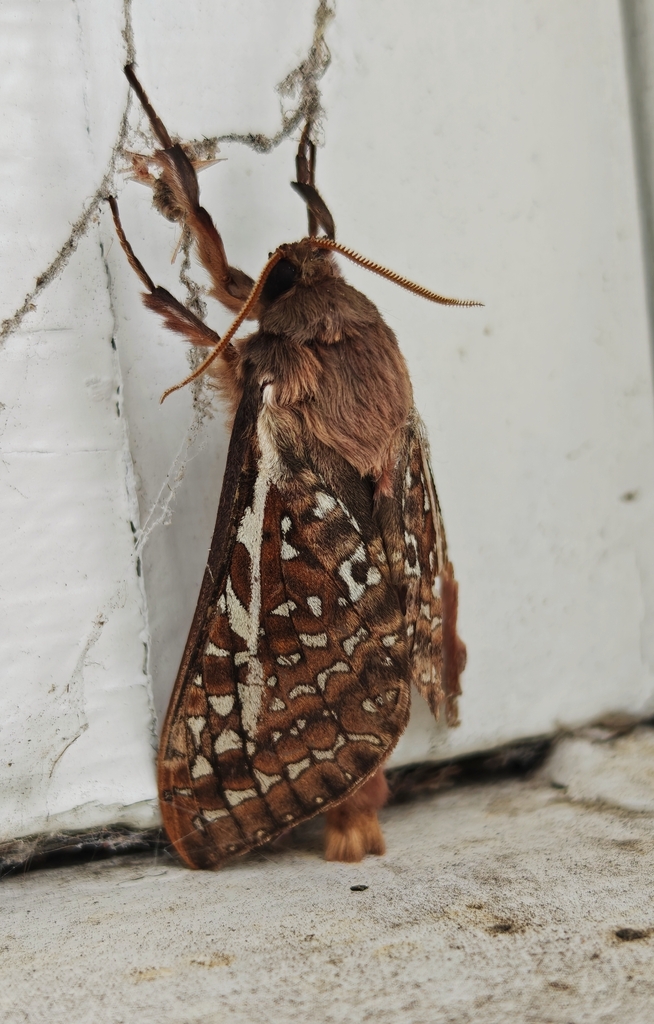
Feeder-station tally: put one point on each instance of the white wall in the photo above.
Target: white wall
(483, 149)
(76, 744)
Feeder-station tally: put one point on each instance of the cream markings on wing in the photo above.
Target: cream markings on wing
(315, 605)
(227, 740)
(411, 543)
(288, 660)
(250, 694)
(296, 768)
(239, 616)
(324, 505)
(364, 737)
(270, 462)
(429, 488)
(313, 639)
(234, 797)
(357, 590)
(215, 652)
(288, 551)
(285, 608)
(215, 815)
(351, 641)
(266, 782)
(329, 755)
(243, 621)
(349, 516)
(338, 666)
(201, 767)
(222, 705)
(426, 503)
(303, 688)
(196, 724)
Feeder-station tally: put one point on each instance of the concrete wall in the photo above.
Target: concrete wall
(484, 149)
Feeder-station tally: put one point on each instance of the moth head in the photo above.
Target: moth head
(300, 265)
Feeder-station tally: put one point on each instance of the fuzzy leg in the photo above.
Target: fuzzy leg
(352, 828)
(179, 319)
(177, 197)
(305, 186)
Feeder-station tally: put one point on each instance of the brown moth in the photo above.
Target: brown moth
(328, 588)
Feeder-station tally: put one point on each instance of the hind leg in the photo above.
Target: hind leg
(352, 828)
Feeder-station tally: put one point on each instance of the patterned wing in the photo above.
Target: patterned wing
(438, 655)
(293, 688)
(414, 537)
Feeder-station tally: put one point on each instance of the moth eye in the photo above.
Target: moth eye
(279, 280)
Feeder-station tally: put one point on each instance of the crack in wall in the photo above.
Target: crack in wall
(302, 82)
(81, 225)
(75, 689)
(132, 499)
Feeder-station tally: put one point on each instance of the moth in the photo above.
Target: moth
(328, 589)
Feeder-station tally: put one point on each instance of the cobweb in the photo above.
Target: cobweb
(300, 103)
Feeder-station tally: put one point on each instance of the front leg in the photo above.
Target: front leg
(352, 828)
(181, 320)
(177, 197)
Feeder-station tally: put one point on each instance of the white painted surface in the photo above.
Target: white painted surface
(482, 149)
(75, 742)
(76, 745)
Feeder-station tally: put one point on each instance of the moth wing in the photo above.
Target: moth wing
(414, 536)
(293, 688)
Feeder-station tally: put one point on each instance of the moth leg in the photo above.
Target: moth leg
(175, 316)
(305, 166)
(177, 197)
(352, 828)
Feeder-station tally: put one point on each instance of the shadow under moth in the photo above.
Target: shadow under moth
(328, 588)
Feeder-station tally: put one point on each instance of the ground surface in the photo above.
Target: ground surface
(499, 903)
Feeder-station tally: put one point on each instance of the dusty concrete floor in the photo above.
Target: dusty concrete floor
(498, 903)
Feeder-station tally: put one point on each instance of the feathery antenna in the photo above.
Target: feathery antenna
(390, 275)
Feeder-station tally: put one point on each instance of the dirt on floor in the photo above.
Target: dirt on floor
(496, 902)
